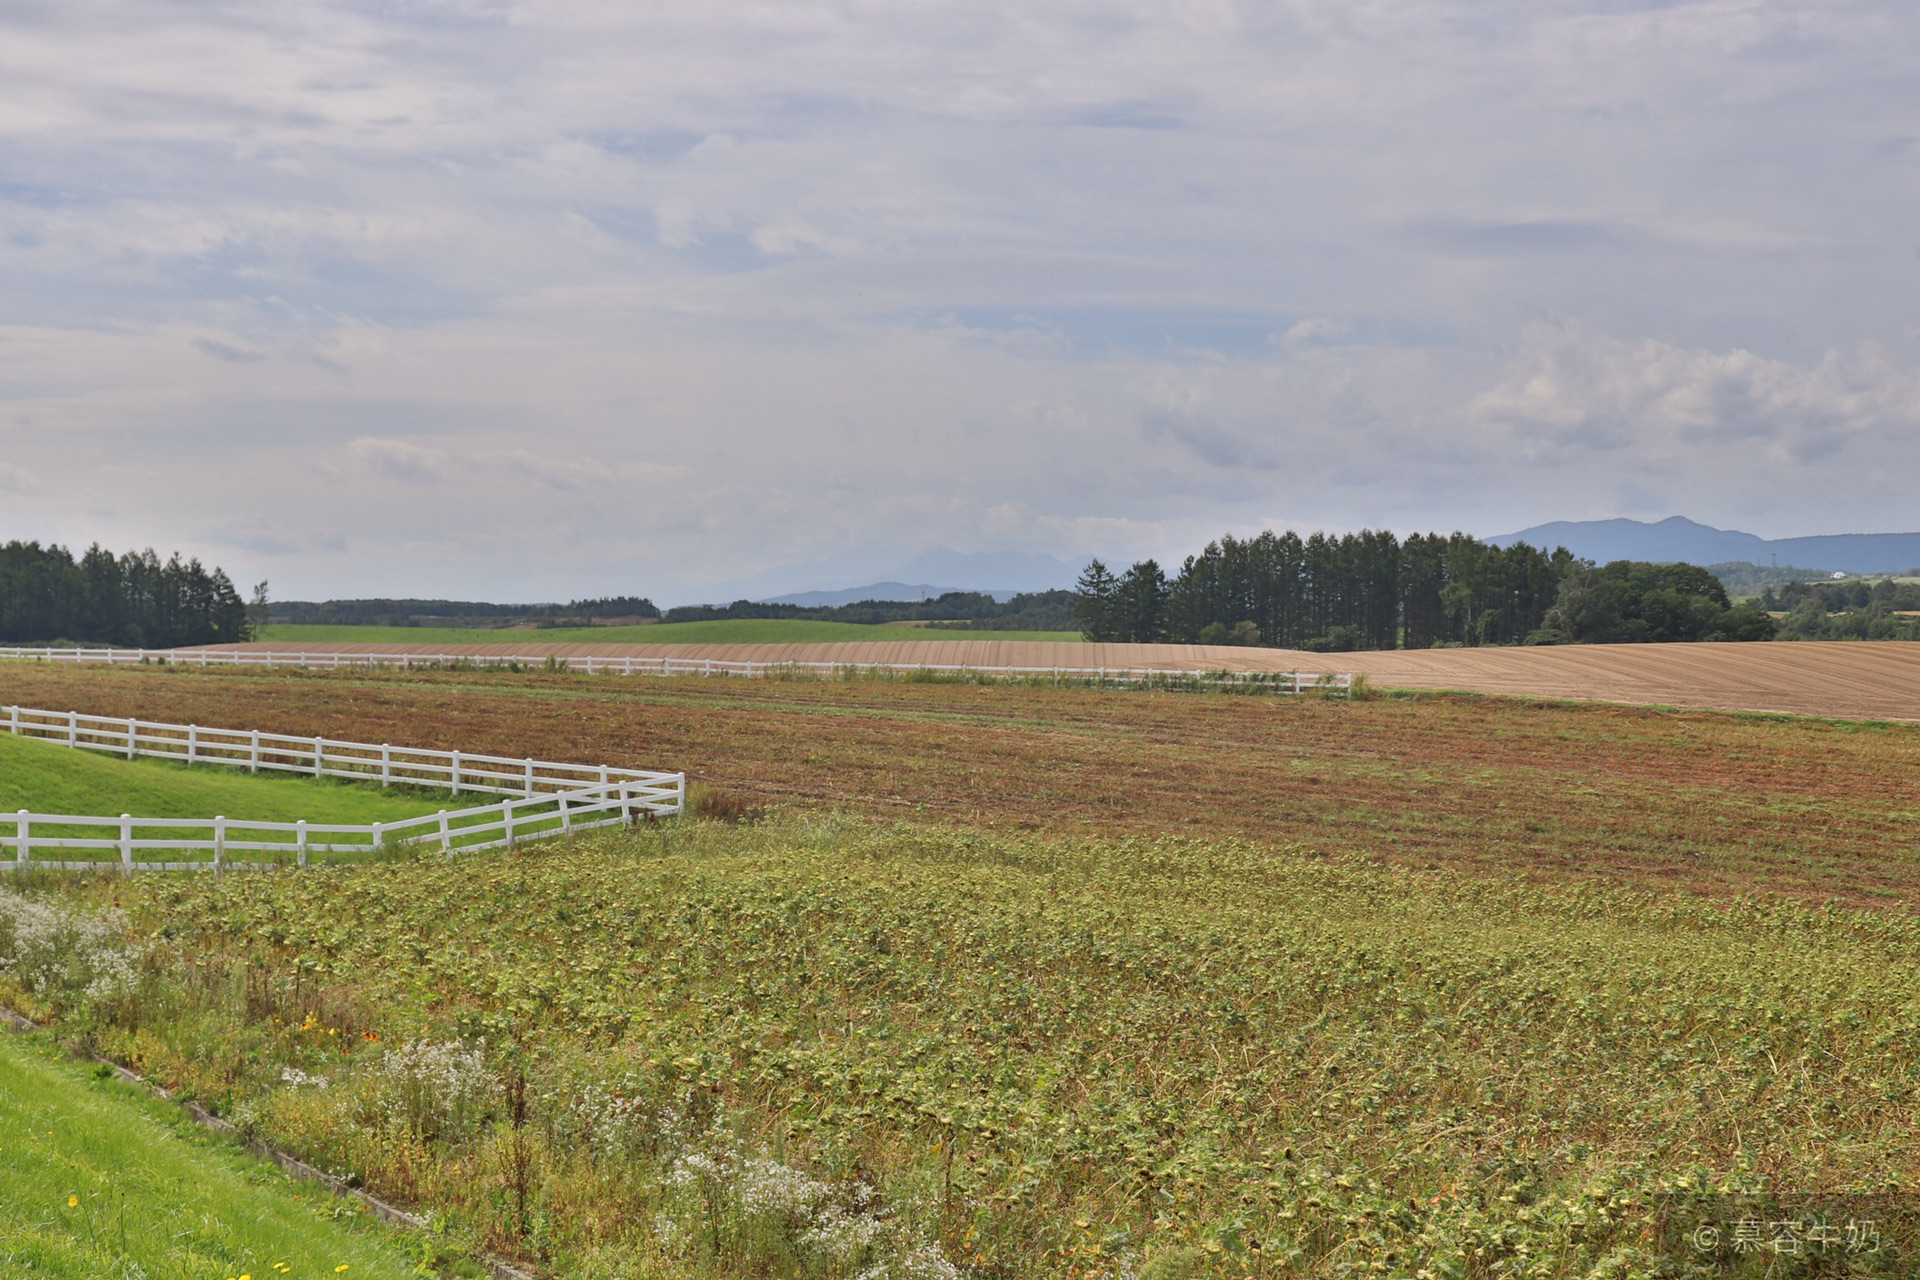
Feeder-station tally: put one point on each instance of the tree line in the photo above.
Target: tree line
(1851, 610)
(136, 600)
(957, 610)
(383, 612)
(1372, 590)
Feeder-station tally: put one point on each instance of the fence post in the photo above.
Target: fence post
(14, 726)
(386, 764)
(126, 844)
(376, 837)
(566, 815)
(529, 775)
(300, 842)
(506, 810)
(253, 759)
(456, 773)
(73, 728)
(219, 841)
(446, 837)
(133, 736)
(319, 756)
(193, 742)
(22, 837)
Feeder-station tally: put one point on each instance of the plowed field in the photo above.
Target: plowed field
(1856, 681)
(1662, 799)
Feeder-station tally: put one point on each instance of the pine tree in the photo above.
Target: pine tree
(1094, 602)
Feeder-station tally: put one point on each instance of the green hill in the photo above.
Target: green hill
(48, 777)
(99, 1179)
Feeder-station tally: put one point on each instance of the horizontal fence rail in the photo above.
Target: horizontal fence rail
(546, 798)
(1291, 682)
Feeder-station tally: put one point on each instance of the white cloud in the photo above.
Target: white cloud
(14, 480)
(1578, 388)
(400, 460)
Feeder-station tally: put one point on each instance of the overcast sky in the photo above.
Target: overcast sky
(554, 298)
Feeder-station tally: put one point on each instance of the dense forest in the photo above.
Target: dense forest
(1854, 610)
(136, 600)
(1371, 590)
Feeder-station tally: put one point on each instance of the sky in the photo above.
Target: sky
(551, 299)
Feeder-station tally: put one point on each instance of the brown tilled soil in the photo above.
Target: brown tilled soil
(1548, 790)
(1851, 681)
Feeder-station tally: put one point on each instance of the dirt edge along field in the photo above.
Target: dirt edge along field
(1854, 680)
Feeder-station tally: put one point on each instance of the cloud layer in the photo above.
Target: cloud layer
(540, 299)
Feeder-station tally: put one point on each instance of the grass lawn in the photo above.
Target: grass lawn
(724, 631)
(95, 1177)
(48, 777)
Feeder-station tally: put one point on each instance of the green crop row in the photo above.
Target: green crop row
(836, 1049)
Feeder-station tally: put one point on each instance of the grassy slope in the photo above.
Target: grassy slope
(725, 631)
(150, 1188)
(47, 777)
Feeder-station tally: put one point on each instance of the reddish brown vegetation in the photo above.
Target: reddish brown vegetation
(1699, 800)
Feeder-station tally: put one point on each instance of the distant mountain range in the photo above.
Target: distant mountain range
(1000, 574)
(1678, 538)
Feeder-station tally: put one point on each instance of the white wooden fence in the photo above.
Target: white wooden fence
(1291, 682)
(547, 798)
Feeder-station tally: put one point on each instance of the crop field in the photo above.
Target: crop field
(1855, 680)
(1005, 981)
(828, 1048)
(1704, 801)
(718, 631)
(97, 1180)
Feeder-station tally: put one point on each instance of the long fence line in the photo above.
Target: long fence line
(1288, 682)
(546, 798)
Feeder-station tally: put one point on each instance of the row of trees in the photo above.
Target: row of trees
(1852, 610)
(1371, 590)
(1631, 601)
(135, 599)
(965, 610)
(385, 612)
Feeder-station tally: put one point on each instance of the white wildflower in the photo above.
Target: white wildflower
(437, 1089)
(610, 1121)
(49, 949)
(770, 1189)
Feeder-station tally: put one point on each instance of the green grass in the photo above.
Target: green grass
(725, 631)
(48, 777)
(96, 1176)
